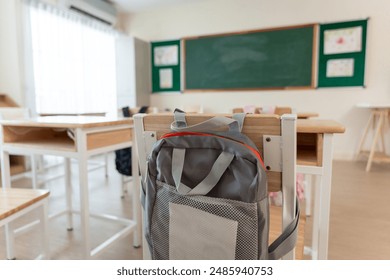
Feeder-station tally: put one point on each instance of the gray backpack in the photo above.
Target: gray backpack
(205, 195)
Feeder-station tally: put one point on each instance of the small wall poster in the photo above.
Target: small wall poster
(340, 67)
(166, 78)
(343, 40)
(166, 55)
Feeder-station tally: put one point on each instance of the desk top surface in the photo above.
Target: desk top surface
(303, 125)
(68, 121)
(373, 106)
(319, 126)
(14, 200)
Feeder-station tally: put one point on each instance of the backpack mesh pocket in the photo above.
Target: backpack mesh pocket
(245, 214)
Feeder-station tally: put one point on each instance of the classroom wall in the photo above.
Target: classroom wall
(218, 16)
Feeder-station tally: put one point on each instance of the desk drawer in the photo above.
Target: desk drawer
(108, 138)
(309, 149)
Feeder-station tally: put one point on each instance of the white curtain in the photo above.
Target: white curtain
(73, 62)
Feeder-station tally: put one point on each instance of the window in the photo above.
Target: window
(73, 62)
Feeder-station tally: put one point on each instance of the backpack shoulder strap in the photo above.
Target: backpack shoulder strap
(287, 240)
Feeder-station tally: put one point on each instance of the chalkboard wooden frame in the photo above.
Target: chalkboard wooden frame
(311, 44)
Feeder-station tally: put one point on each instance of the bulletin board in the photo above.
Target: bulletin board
(342, 52)
(165, 66)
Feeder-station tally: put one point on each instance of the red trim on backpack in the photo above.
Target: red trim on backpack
(175, 134)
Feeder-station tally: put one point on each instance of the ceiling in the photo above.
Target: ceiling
(136, 6)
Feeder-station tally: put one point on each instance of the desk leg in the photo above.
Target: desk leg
(9, 241)
(383, 132)
(307, 189)
(374, 142)
(68, 190)
(84, 192)
(370, 120)
(325, 195)
(316, 215)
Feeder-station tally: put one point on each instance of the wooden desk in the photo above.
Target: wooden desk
(9, 108)
(73, 137)
(17, 202)
(379, 122)
(314, 157)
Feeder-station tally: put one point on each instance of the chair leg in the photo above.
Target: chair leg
(45, 231)
(34, 170)
(40, 163)
(123, 190)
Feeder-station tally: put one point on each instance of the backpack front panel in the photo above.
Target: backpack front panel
(235, 201)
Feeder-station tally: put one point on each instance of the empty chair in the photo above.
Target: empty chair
(123, 157)
(263, 110)
(12, 113)
(193, 108)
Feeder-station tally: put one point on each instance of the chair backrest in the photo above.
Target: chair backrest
(193, 108)
(282, 110)
(150, 110)
(258, 110)
(274, 136)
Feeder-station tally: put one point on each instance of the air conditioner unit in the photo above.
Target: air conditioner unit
(99, 9)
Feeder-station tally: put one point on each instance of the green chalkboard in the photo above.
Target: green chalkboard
(279, 58)
(165, 66)
(342, 52)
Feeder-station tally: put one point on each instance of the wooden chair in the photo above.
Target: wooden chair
(258, 110)
(274, 136)
(151, 110)
(13, 113)
(15, 203)
(131, 111)
(194, 108)
(241, 110)
(282, 110)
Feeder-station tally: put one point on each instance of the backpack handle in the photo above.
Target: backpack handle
(208, 183)
(215, 123)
